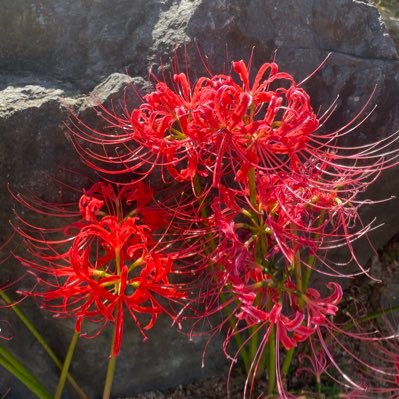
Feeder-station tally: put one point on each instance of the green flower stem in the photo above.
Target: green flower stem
(237, 337)
(318, 384)
(287, 362)
(254, 331)
(271, 369)
(298, 277)
(254, 342)
(42, 342)
(252, 186)
(308, 272)
(16, 368)
(65, 368)
(109, 378)
(111, 368)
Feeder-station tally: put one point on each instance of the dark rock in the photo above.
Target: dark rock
(51, 51)
(31, 125)
(81, 42)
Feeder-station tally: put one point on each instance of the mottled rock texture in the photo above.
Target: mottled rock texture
(54, 52)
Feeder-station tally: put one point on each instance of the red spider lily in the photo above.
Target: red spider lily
(262, 309)
(254, 300)
(319, 308)
(203, 128)
(289, 330)
(219, 127)
(104, 263)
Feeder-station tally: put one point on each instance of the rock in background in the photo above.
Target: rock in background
(53, 53)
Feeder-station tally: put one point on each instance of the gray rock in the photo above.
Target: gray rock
(118, 92)
(52, 52)
(81, 42)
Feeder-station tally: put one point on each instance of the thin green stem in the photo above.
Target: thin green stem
(272, 361)
(16, 368)
(109, 378)
(28, 324)
(110, 370)
(237, 337)
(65, 368)
(318, 385)
(298, 276)
(31, 328)
(252, 186)
(302, 286)
(287, 362)
(253, 346)
(308, 272)
(239, 341)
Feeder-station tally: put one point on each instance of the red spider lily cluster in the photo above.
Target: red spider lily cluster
(104, 262)
(265, 193)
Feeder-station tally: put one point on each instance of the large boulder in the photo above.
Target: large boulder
(53, 53)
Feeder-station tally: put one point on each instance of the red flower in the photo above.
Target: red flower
(107, 262)
(319, 308)
(215, 126)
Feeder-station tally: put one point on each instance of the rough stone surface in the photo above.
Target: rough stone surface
(52, 52)
(81, 42)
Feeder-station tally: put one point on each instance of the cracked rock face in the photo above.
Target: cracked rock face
(53, 53)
